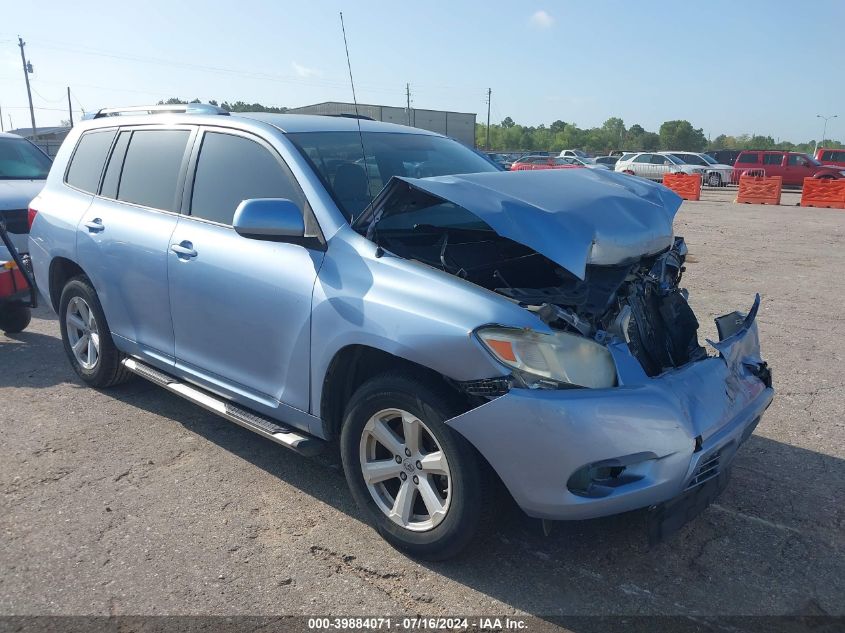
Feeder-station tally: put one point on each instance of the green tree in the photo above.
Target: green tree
(681, 135)
(508, 122)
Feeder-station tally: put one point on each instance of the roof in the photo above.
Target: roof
(292, 123)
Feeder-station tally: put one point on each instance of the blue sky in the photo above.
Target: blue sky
(756, 67)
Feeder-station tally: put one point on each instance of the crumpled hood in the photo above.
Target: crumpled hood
(17, 194)
(574, 217)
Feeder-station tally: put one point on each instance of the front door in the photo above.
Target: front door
(241, 307)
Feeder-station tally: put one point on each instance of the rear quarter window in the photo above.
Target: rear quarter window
(88, 159)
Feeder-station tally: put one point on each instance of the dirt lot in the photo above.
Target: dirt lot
(132, 501)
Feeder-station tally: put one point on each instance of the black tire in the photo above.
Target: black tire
(107, 371)
(470, 485)
(14, 317)
(714, 180)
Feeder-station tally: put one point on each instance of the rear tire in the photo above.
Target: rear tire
(14, 317)
(392, 406)
(86, 338)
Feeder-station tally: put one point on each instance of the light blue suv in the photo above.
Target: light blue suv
(450, 325)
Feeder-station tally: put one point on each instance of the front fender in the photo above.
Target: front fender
(404, 308)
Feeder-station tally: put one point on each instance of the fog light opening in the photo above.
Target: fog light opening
(601, 478)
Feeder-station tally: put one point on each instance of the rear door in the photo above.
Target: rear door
(641, 165)
(124, 236)
(773, 165)
(241, 307)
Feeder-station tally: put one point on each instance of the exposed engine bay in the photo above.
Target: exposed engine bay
(639, 301)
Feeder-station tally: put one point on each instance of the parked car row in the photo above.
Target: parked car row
(792, 167)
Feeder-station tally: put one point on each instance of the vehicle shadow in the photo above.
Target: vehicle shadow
(32, 359)
(771, 544)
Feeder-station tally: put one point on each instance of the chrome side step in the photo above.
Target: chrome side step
(286, 436)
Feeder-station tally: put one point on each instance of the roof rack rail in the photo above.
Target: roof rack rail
(180, 108)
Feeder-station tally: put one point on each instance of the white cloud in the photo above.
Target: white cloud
(541, 20)
(304, 71)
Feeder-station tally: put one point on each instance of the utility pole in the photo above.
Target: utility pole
(2, 126)
(27, 68)
(408, 101)
(489, 93)
(69, 108)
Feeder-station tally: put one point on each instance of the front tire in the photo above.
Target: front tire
(714, 180)
(85, 335)
(419, 483)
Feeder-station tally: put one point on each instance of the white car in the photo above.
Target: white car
(718, 174)
(654, 165)
(589, 163)
(574, 153)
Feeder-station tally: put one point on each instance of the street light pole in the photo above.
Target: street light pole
(824, 131)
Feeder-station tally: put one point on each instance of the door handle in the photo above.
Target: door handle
(184, 249)
(95, 225)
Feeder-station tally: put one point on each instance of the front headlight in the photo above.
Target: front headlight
(541, 360)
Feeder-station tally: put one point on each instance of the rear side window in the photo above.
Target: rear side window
(772, 159)
(88, 159)
(748, 159)
(643, 158)
(231, 169)
(151, 168)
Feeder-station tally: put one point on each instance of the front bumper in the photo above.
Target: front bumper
(671, 433)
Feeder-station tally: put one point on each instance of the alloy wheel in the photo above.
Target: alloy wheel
(82, 332)
(405, 470)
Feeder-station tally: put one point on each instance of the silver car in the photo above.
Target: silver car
(23, 171)
(715, 174)
(654, 165)
(446, 331)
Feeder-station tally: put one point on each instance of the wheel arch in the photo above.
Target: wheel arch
(353, 365)
(61, 271)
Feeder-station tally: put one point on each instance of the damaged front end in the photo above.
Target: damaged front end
(600, 267)
(611, 403)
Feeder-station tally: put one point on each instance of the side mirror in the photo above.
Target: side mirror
(276, 219)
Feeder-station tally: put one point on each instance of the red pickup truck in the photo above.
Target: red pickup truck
(828, 156)
(793, 167)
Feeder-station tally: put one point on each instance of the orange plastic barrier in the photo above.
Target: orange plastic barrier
(759, 189)
(685, 185)
(823, 192)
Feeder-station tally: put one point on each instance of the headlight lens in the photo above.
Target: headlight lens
(544, 359)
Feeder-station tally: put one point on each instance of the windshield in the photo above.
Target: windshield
(336, 157)
(673, 159)
(709, 159)
(21, 160)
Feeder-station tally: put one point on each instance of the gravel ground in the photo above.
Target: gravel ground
(132, 501)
